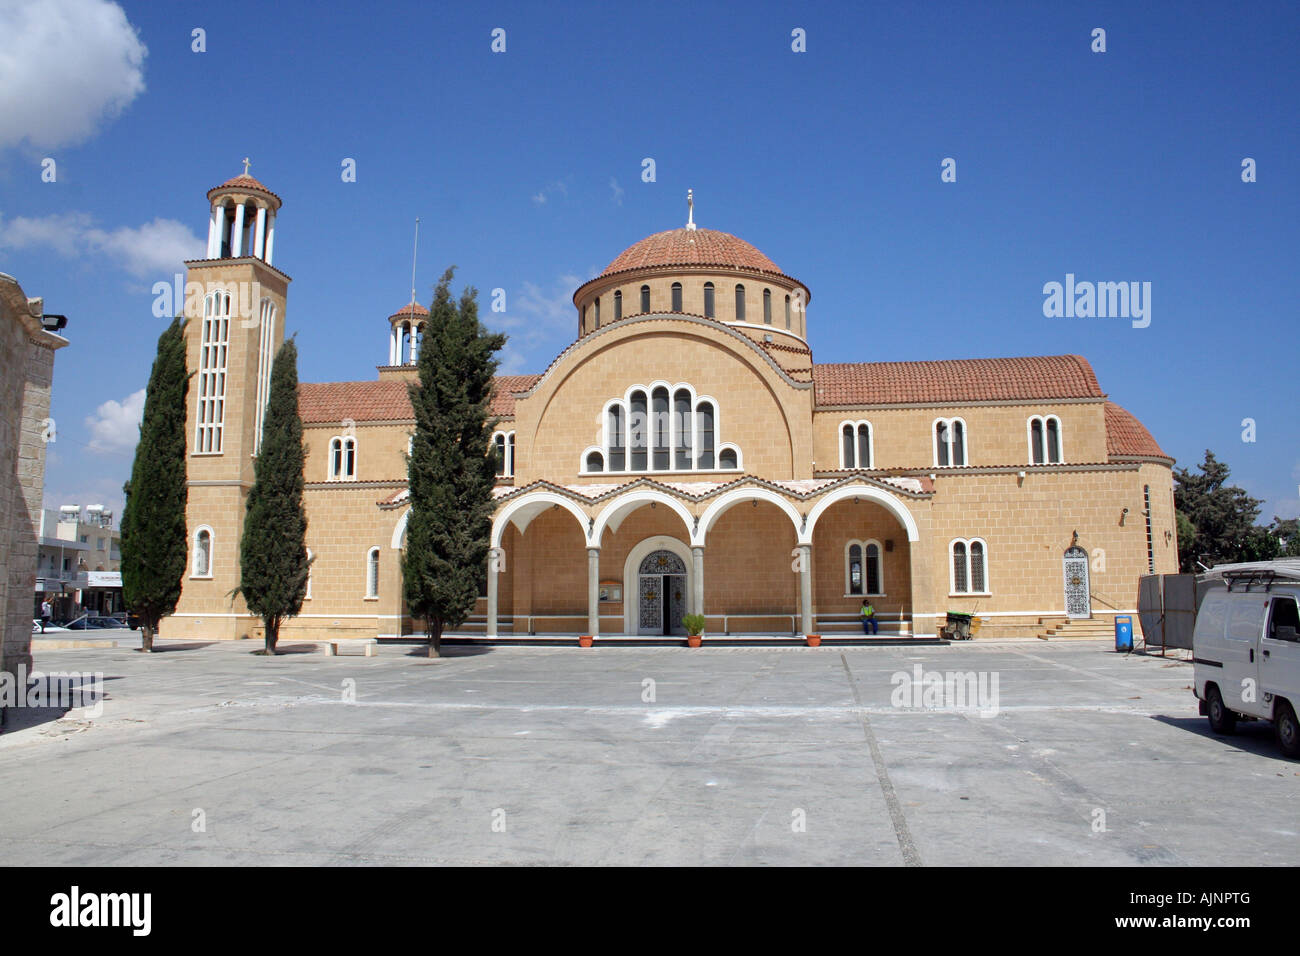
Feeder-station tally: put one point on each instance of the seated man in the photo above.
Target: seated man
(869, 623)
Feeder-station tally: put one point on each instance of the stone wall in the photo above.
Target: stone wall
(26, 374)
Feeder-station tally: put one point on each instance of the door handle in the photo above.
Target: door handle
(1266, 653)
(1252, 655)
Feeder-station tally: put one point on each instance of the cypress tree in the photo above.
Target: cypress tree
(273, 564)
(154, 540)
(451, 471)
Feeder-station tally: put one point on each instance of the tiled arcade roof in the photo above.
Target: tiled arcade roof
(386, 400)
(955, 380)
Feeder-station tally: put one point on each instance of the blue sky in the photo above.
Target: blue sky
(525, 169)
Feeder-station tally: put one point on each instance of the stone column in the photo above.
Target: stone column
(805, 588)
(259, 236)
(270, 237)
(237, 233)
(214, 232)
(593, 591)
(697, 580)
(493, 556)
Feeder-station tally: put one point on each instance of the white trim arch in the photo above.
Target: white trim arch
(194, 552)
(612, 515)
(866, 591)
(1060, 439)
(952, 444)
(732, 498)
(523, 510)
(892, 504)
(631, 567)
(871, 443)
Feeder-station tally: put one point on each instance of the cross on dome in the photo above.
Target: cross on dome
(246, 165)
(690, 209)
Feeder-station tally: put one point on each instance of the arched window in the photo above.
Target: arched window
(616, 439)
(969, 566)
(1045, 440)
(677, 297)
(862, 572)
(618, 305)
(855, 445)
(343, 458)
(949, 442)
(767, 306)
(504, 443)
(705, 412)
(787, 312)
(682, 429)
(645, 298)
(639, 429)
(740, 303)
(202, 564)
(598, 313)
(212, 373)
(372, 573)
(708, 300)
(658, 428)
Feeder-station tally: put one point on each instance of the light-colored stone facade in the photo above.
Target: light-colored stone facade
(26, 374)
(762, 533)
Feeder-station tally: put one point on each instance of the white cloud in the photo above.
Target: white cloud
(542, 197)
(115, 426)
(68, 65)
(617, 190)
(539, 322)
(148, 250)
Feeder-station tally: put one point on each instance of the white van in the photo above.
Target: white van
(1246, 650)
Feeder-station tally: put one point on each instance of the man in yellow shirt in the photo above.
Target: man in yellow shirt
(869, 623)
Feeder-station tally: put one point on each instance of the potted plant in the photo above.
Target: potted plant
(694, 629)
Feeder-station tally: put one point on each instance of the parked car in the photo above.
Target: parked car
(1246, 648)
(50, 628)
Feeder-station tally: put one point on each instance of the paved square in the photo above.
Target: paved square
(552, 756)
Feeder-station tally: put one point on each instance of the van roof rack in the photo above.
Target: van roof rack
(1253, 574)
(1245, 579)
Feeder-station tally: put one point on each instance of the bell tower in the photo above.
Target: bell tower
(234, 306)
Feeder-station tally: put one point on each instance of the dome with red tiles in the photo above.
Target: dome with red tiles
(692, 247)
(243, 183)
(414, 310)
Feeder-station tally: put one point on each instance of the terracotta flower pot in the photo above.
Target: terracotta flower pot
(694, 640)
(814, 640)
(585, 640)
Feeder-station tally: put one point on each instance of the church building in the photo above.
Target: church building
(684, 453)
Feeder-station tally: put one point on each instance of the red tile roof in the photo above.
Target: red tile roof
(416, 310)
(386, 400)
(692, 247)
(243, 181)
(955, 380)
(1127, 437)
(503, 399)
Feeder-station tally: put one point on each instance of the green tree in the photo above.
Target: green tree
(451, 471)
(273, 564)
(1221, 517)
(154, 539)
